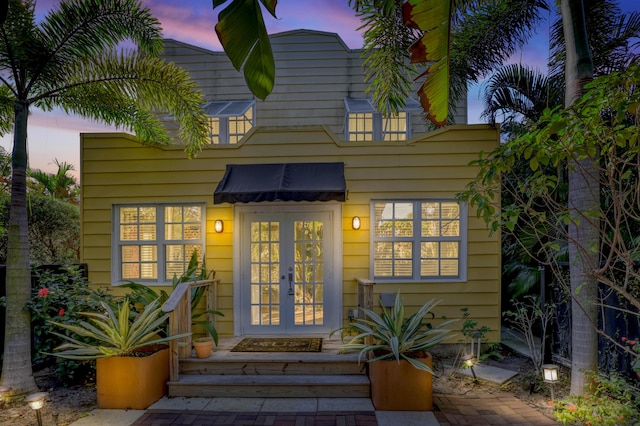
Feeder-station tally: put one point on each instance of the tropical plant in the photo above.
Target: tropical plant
(194, 272)
(613, 402)
(74, 60)
(54, 230)
(450, 37)
(602, 123)
(58, 185)
(519, 94)
(61, 296)
(390, 335)
(116, 331)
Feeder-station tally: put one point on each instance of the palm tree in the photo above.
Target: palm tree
(59, 185)
(73, 60)
(520, 94)
(584, 197)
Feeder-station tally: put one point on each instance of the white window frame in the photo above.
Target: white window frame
(226, 111)
(160, 242)
(364, 107)
(416, 239)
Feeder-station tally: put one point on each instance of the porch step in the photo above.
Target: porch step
(226, 373)
(271, 386)
(286, 367)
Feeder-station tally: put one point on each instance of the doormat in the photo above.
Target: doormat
(279, 344)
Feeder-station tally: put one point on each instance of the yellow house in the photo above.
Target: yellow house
(295, 199)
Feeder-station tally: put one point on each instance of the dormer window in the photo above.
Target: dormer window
(364, 123)
(229, 121)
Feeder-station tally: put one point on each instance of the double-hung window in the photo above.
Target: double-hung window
(418, 240)
(364, 123)
(154, 243)
(229, 121)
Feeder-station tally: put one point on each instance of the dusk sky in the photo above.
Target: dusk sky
(56, 136)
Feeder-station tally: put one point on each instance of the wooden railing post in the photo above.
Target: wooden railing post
(210, 301)
(365, 295)
(179, 308)
(365, 300)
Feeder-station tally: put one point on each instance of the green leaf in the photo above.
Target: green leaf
(244, 37)
(432, 17)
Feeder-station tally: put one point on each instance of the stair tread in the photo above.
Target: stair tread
(267, 379)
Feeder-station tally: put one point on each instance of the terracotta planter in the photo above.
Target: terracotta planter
(203, 347)
(132, 382)
(401, 387)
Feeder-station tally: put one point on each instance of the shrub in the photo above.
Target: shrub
(61, 296)
(612, 403)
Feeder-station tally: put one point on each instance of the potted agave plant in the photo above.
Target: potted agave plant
(396, 349)
(130, 349)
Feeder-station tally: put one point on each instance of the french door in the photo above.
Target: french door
(287, 280)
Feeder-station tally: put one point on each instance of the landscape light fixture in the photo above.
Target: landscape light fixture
(3, 390)
(36, 402)
(218, 226)
(469, 362)
(550, 375)
(355, 222)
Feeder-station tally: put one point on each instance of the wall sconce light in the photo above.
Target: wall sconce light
(550, 375)
(218, 226)
(355, 222)
(36, 402)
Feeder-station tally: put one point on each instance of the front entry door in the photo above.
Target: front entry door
(286, 272)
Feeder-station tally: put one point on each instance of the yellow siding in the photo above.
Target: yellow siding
(117, 169)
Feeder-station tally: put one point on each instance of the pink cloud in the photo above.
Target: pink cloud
(330, 16)
(193, 25)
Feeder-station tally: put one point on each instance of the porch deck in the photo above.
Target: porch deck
(330, 351)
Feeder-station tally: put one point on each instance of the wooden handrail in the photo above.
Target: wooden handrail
(365, 299)
(178, 306)
(365, 295)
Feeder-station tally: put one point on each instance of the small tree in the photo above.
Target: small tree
(602, 127)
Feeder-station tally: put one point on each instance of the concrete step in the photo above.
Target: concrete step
(271, 386)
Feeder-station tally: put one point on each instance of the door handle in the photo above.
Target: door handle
(290, 283)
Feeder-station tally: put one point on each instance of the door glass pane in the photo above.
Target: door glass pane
(265, 268)
(308, 266)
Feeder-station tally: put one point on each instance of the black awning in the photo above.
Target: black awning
(245, 183)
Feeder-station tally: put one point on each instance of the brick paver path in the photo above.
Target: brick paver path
(450, 410)
(208, 418)
(486, 410)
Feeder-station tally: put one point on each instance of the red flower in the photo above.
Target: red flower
(43, 292)
(572, 408)
(624, 339)
(550, 403)
(61, 312)
(632, 342)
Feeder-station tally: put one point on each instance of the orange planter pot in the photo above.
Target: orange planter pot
(132, 382)
(401, 387)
